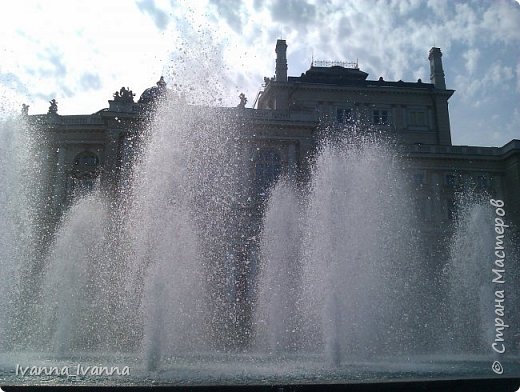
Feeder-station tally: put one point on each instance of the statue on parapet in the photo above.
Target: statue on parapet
(25, 109)
(124, 95)
(267, 80)
(53, 109)
(243, 101)
(161, 83)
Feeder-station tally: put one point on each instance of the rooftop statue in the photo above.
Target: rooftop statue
(25, 109)
(124, 95)
(151, 94)
(161, 83)
(243, 101)
(53, 109)
(267, 80)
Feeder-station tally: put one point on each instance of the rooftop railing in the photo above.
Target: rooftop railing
(333, 63)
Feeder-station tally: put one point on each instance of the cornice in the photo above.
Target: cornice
(387, 90)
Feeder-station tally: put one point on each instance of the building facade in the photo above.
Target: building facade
(280, 135)
(282, 131)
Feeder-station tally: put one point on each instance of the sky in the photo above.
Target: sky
(81, 52)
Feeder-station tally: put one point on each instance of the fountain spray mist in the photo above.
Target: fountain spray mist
(75, 286)
(359, 272)
(184, 206)
(476, 299)
(278, 318)
(350, 258)
(21, 230)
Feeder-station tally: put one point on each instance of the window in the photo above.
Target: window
(483, 182)
(417, 118)
(83, 175)
(83, 185)
(451, 209)
(86, 161)
(420, 208)
(268, 167)
(418, 179)
(380, 117)
(451, 180)
(343, 115)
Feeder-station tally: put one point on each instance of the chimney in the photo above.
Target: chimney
(436, 71)
(281, 61)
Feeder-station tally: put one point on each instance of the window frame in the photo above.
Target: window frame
(271, 169)
(381, 116)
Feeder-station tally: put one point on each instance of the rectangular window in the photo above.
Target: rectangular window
(417, 118)
(451, 180)
(451, 209)
(380, 117)
(420, 208)
(428, 208)
(343, 115)
(482, 182)
(418, 179)
(455, 181)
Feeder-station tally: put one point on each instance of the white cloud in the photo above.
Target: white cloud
(82, 52)
(502, 21)
(477, 89)
(440, 8)
(159, 16)
(518, 76)
(53, 45)
(499, 75)
(472, 57)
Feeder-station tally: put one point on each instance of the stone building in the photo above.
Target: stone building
(281, 135)
(283, 121)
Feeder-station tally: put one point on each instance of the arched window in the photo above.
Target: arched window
(268, 167)
(84, 173)
(86, 161)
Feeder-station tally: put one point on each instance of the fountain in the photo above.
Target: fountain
(341, 290)
(278, 303)
(67, 316)
(18, 232)
(469, 250)
(353, 270)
